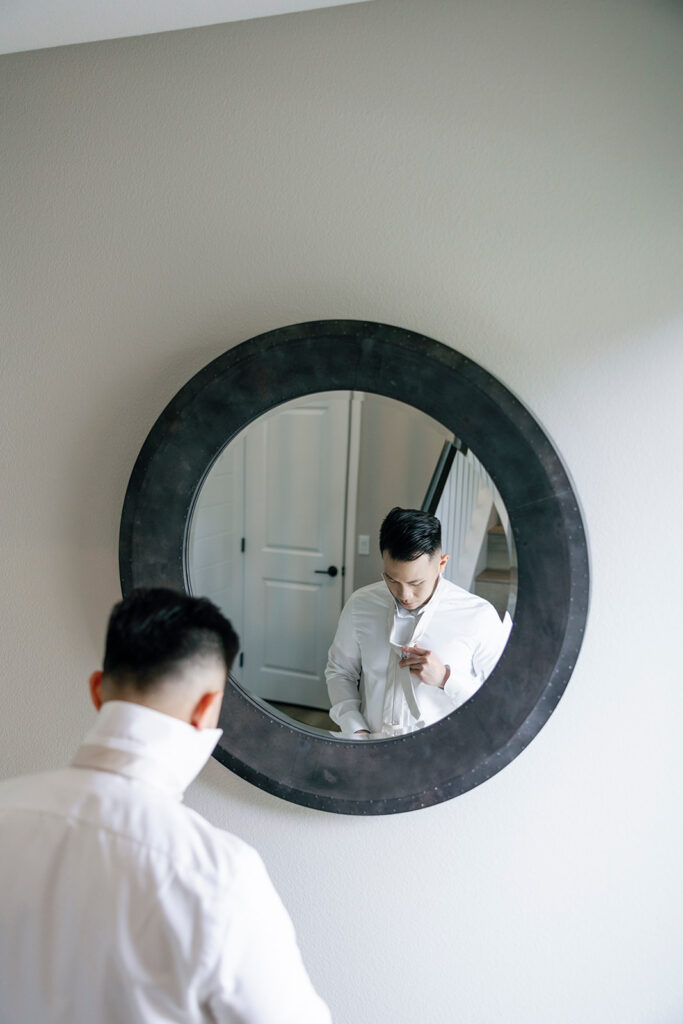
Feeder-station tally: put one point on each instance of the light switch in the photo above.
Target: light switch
(363, 544)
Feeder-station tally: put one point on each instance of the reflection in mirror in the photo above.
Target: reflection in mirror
(285, 528)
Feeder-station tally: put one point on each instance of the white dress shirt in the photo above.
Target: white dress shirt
(119, 905)
(368, 688)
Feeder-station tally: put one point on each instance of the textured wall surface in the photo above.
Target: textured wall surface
(505, 178)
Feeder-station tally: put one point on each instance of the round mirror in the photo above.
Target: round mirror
(285, 528)
(278, 385)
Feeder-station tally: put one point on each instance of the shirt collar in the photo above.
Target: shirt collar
(141, 743)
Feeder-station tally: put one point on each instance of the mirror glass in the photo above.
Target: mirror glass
(285, 528)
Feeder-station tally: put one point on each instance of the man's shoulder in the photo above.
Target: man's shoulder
(373, 595)
(126, 814)
(168, 828)
(24, 791)
(457, 599)
(229, 850)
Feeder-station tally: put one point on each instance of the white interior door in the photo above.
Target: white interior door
(295, 489)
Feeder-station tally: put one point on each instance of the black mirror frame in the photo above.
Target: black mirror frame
(495, 725)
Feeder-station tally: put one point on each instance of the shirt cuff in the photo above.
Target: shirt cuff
(460, 690)
(350, 722)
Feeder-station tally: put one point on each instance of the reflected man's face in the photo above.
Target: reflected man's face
(413, 583)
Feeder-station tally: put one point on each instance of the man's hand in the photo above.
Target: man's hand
(425, 665)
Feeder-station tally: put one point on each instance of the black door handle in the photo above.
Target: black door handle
(331, 571)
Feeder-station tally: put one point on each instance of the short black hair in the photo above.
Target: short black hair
(153, 631)
(407, 533)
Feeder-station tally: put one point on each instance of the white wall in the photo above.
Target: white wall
(505, 178)
(399, 450)
(214, 557)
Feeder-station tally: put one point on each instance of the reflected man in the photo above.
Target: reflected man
(413, 647)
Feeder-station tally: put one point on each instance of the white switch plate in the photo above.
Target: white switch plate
(363, 544)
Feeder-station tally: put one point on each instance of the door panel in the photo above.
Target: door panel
(296, 465)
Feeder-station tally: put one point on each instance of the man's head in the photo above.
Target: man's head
(168, 651)
(410, 544)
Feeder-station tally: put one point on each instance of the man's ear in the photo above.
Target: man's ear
(443, 562)
(95, 683)
(207, 710)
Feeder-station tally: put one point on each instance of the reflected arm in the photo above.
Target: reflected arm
(491, 640)
(343, 674)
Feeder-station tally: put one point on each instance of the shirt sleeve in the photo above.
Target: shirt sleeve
(490, 643)
(491, 638)
(343, 672)
(259, 976)
(460, 686)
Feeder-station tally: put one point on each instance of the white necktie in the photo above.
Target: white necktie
(399, 678)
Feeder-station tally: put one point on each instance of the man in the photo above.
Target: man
(413, 647)
(118, 904)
